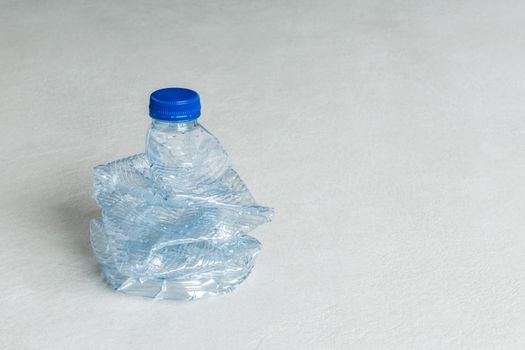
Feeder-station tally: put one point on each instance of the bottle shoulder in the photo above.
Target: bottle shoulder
(192, 137)
(182, 159)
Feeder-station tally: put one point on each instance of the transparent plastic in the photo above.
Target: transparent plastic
(175, 219)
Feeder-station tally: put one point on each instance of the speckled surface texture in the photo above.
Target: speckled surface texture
(388, 135)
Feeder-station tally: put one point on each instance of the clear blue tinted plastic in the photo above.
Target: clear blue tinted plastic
(175, 219)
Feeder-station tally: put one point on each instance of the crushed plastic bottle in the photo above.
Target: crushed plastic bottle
(175, 219)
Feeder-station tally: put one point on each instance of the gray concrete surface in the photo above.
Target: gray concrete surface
(389, 136)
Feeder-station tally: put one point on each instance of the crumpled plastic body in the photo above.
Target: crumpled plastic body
(184, 244)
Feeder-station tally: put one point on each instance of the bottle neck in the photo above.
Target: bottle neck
(174, 126)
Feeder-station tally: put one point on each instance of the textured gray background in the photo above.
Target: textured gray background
(389, 136)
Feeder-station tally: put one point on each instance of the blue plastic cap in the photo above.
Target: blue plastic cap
(174, 104)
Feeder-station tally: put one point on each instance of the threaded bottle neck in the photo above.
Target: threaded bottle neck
(172, 126)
